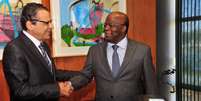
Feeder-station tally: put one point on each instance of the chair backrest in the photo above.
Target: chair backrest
(4, 89)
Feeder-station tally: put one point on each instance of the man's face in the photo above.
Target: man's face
(115, 28)
(41, 25)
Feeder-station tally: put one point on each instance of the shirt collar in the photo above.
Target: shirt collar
(122, 44)
(32, 38)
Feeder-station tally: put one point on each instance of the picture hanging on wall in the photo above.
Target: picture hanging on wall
(79, 24)
(10, 27)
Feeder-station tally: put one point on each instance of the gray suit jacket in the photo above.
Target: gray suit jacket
(135, 77)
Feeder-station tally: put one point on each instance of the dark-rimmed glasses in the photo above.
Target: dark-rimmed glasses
(113, 25)
(45, 22)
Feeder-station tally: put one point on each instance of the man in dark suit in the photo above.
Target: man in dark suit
(122, 68)
(28, 65)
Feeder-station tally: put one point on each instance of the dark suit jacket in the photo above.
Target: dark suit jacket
(27, 73)
(135, 77)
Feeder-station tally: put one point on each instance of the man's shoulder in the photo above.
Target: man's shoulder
(15, 43)
(134, 43)
(99, 45)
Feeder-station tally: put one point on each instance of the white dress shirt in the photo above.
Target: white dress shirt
(35, 41)
(121, 51)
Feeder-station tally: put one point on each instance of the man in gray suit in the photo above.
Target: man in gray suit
(122, 68)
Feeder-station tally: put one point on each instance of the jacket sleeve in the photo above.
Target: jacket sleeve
(86, 74)
(17, 75)
(65, 75)
(149, 75)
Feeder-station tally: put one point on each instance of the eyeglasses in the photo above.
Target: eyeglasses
(45, 22)
(113, 25)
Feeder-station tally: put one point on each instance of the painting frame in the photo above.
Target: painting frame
(58, 47)
(7, 4)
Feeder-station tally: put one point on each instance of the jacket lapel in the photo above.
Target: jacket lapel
(128, 55)
(33, 49)
(106, 63)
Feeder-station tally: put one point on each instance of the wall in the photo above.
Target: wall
(166, 46)
(142, 15)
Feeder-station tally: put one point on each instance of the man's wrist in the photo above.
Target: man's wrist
(70, 84)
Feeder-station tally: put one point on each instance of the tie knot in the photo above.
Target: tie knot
(41, 46)
(115, 47)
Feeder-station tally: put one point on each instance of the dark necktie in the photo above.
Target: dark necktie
(45, 56)
(115, 61)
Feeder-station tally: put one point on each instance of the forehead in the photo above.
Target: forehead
(115, 18)
(43, 14)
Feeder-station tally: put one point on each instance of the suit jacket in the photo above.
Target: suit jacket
(28, 74)
(135, 77)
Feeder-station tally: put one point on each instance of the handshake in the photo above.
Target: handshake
(65, 88)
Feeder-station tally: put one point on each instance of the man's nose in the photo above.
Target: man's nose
(50, 25)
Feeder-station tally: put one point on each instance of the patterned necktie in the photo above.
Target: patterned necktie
(45, 56)
(115, 61)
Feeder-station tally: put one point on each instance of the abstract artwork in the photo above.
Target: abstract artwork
(78, 24)
(10, 20)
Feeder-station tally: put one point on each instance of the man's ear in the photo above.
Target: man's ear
(124, 28)
(29, 25)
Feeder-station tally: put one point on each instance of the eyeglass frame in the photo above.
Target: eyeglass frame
(45, 22)
(113, 25)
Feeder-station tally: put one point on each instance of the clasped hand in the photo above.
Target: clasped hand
(65, 88)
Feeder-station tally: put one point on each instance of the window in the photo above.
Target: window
(188, 50)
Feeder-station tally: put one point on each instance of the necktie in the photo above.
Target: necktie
(115, 61)
(45, 56)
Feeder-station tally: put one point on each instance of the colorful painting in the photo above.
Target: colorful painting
(10, 20)
(80, 24)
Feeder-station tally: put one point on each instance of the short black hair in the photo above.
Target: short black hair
(29, 11)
